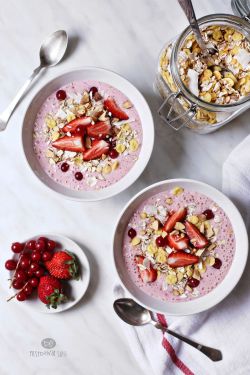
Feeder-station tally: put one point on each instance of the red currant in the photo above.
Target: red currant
(40, 245)
(47, 256)
(10, 264)
(192, 282)
(17, 247)
(160, 241)
(209, 214)
(131, 233)
(21, 296)
(34, 267)
(51, 245)
(31, 245)
(30, 273)
(24, 262)
(34, 282)
(64, 167)
(28, 289)
(42, 239)
(21, 275)
(61, 95)
(17, 284)
(39, 273)
(217, 264)
(93, 90)
(36, 256)
(78, 176)
(113, 153)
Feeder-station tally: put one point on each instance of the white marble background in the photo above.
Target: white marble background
(125, 36)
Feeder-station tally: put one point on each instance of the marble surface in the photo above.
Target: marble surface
(125, 36)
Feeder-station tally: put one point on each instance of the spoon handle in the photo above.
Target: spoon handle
(188, 9)
(6, 114)
(214, 354)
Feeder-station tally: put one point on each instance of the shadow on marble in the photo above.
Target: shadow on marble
(94, 276)
(73, 43)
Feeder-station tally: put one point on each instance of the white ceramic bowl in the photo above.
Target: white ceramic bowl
(75, 289)
(227, 284)
(121, 84)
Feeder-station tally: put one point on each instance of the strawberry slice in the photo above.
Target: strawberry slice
(111, 105)
(181, 259)
(74, 144)
(147, 275)
(196, 237)
(72, 125)
(177, 242)
(176, 216)
(97, 150)
(139, 259)
(100, 130)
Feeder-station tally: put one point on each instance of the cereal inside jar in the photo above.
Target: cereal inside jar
(202, 92)
(225, 77)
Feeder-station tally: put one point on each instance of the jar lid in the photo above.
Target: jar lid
(241, 8)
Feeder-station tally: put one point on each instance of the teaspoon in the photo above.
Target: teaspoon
(134, 314)
(188, 9)
(51, 53)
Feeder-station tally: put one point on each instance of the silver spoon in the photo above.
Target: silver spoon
(51, 53)
(207, 48)
(134, 314)
(188, 9)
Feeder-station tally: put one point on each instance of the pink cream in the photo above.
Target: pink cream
(41, 144)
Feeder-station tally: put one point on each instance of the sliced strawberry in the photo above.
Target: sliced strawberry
(97, 150)
(177, 242)
(181, 259)
(72, 125)
(196, 237)
(139, 259)
(74, 144)
(100, 130)
(147, 275)
(111, 105)
(176, 216)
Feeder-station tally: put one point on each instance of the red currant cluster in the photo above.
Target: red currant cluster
(28, 265)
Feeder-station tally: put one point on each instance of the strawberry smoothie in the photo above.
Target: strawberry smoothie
(179, 245)
(87, 135)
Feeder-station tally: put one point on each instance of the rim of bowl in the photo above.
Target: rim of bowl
(150, 145)
(218, 298)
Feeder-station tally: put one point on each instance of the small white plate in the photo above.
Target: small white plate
(126, 88)
(226, 285)
(75, 289)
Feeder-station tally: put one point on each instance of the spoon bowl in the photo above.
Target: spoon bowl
(53, 48)
(131, 312)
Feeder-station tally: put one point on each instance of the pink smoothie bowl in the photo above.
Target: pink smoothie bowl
(126, 88)
(217, 294)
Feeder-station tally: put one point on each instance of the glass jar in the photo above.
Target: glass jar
(180, 106)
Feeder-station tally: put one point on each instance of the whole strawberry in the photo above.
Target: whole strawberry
(63, 265)
(50, 291)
